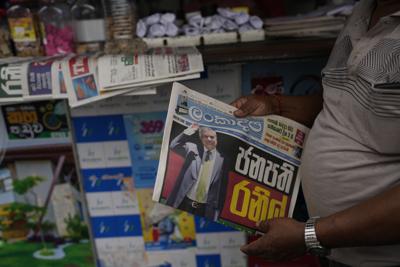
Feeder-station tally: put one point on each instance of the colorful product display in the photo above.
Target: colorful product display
(57, 30)
(24, 30)
(88, 25)
(5, 49)
(36, 120)
(121, 18)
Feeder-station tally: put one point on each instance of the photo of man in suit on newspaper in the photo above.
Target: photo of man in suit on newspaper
(197, 188)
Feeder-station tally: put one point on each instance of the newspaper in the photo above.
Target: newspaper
(37, 80)
(146, 91)
(233, 171)
(58, 80)
(11, 79)
(81, 80)
(158, 82)
(86, 79)
(119, 71)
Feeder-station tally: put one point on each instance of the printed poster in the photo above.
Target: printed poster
(283, 77)
(144, 132)
(44, 119)
(175, 231)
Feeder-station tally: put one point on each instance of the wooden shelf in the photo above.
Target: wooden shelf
(266, 50)
(43, 152)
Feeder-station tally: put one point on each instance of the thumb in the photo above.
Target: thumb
(262, 226)
(245, 110)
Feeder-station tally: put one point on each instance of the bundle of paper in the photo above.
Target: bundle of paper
(156, 66)
(324, 22)
(46, 78)
(85, 79)
(297, 27)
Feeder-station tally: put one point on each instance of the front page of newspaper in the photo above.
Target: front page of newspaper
(233, 171)
(37, 79)
(12, 79)
(58, 79)
(81, 80)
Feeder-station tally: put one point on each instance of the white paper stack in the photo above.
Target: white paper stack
(85, 79)
(324, 22)
(156, 66)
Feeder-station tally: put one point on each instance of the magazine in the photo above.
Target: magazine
(236, 171)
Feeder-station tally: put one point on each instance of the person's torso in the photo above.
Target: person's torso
(353, 150)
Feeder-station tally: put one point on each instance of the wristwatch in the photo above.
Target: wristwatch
(312, 243)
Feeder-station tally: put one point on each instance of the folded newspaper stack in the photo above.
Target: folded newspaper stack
(324, 26)
(233, 171)
(324, 22)
(85, 79)
(156, 66)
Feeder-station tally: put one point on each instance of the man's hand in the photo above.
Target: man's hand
(303, 109)
(283, 239)
(253, 105)
(191, 129)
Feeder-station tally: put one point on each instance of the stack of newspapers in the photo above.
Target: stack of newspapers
(324, 22)
(83, 79)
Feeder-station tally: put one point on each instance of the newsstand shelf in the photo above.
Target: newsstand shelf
(266, 50)
(42, 152)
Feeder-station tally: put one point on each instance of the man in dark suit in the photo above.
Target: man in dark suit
(197, 187)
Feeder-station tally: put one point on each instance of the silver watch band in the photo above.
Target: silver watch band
(310, 235)
(313, 246)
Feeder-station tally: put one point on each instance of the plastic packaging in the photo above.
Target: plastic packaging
(89, 26)
(24, 30)
(157, 25)
(121, 19)
(56, 27)
(227, 20)
(5, 49)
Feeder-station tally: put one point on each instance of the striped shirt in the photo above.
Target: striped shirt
(353, 150)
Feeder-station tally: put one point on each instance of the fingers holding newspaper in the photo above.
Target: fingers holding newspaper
(282, 239)
(254, 105)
